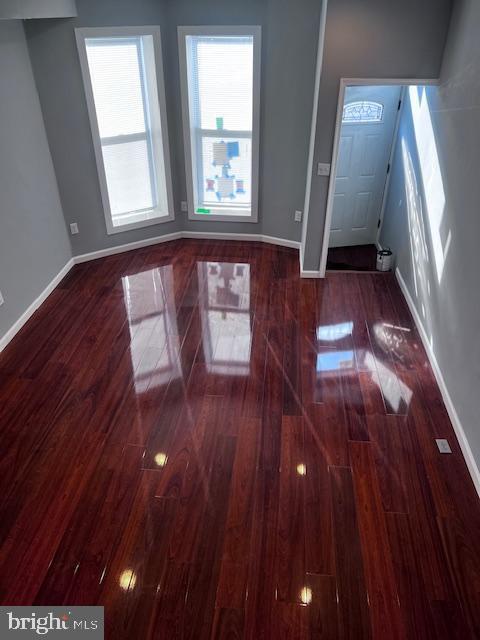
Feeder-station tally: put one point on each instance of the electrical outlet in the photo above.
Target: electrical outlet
(1, 299)
(443, 446)
(183, 205)
(298, 216)
(74, 228)
(323, 169)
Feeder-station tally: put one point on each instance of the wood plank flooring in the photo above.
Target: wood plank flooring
(358, 258)
(211, 447)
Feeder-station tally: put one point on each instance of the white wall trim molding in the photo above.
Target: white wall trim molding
(192, 235)
(103, 253)
(300, 256)
(310, 274)
(28, 313)
(305, 273)
(122, 248)
(242, 237)
(281, 242)
(452, 412)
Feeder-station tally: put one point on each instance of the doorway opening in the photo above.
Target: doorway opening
(370, 116)
(367, 127)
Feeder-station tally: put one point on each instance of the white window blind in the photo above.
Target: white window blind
(124, 90)
(220, 79)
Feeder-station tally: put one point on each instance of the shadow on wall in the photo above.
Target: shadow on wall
(419, 191)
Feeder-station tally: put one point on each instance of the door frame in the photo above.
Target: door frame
(356, 82)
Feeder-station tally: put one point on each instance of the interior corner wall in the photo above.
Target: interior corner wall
(368, 39)
(432, 219)
(34, 245)
(289, 43)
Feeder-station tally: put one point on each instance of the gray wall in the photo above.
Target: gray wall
(289, 40)
(369, 39)
(34, 9)
(432, 217)
(34, 244)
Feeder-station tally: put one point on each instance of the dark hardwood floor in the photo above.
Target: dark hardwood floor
(358, 258)
(211, 447)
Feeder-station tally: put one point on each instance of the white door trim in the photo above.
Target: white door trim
(344, 83)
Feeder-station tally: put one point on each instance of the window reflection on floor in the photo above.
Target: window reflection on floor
(154, 346)
(225, 312)
(395, 392)
(334, 332)
(334, 360)
(392, 339)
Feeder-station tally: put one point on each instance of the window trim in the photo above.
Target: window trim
(189, 131)
(81, 34)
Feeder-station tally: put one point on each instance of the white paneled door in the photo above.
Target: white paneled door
(368, 126)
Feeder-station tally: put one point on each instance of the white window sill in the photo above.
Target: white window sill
(223, 213)
(137, 220)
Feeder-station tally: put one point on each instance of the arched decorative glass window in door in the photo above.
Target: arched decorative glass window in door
(362, 112)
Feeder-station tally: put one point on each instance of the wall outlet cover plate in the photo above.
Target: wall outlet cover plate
(323, 169)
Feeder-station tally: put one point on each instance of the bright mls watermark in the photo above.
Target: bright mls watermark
(51, 622)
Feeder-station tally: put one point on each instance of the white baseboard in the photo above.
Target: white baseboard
(102, 253)
(310, 274)
(455, 420)
(122, 248)
(241, 237)
(305, 273)
(281, 242)
(200, 235)
(26, 315)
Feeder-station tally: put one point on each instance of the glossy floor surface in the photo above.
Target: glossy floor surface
(359, 258)
(211, 447)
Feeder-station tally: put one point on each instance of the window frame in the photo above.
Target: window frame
(189, 130)
(81, 35)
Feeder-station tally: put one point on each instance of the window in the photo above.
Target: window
(123, 77)
(220, 69)
(362, 112)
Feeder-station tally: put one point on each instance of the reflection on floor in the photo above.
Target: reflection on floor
(360, 258)
(211, 447)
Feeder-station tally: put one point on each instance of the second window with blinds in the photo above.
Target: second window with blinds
(220, 69)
